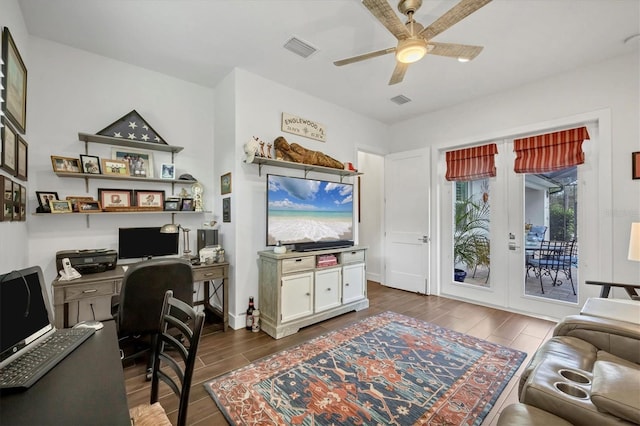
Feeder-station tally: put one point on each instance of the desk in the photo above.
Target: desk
(108, 283)
(606, 288)
(85, 388)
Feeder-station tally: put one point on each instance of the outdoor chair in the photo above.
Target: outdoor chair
(569, 260)
(483, 255)
(548, 262)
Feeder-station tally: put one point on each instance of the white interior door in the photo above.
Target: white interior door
(407, 217)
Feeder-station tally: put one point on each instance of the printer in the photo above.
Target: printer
(88, 261)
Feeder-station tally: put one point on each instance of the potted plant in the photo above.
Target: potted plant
(471, 225)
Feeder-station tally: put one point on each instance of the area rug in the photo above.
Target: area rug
(387, 369)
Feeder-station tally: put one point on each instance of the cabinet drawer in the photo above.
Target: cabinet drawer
(90, 291)
(207, 274)
(298, 264)
(353, 256)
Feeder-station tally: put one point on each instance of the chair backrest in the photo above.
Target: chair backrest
(178, 343)
(482, 250)
(537, 232)
(143, 288)
(551, 253)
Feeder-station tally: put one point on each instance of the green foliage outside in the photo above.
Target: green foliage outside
(471, 230)
(562, 225)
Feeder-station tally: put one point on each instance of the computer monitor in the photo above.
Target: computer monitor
(145, 243)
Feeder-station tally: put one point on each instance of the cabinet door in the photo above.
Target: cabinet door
(327, 289)
(353, 283)
(297, 296)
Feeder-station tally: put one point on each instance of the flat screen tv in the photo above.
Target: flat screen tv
(309, 213)
(145, 243)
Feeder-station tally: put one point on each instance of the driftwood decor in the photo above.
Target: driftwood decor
(298, 154)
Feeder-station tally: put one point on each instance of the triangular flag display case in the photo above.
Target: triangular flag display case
(133, 127)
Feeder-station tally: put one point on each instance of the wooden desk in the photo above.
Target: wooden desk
(85, 388)
(108, 283)
(606, 288)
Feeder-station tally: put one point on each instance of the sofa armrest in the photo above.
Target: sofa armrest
(619, 338)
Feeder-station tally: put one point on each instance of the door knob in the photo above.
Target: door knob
(424, 239)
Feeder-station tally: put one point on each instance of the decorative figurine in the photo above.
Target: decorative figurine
(269, 150)
(262, 149)
(197, 190)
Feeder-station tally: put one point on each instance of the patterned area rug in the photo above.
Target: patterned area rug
(388, 369)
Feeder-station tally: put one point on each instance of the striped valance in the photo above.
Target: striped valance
(471, 163)
(551, 151)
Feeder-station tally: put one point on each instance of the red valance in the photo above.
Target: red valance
(551, 151)
(471, 163)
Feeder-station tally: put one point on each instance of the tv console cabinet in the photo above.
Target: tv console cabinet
(296, 290)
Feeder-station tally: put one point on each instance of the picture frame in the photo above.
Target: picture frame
(17, 212)
(635, 165)
(226, 209)
(22, 154)
(60, 206)
(115, 167)
(6, 199)
(14, 83)
(8, 139)
(65, 164)
(140, 161)
(225, 184)
(23, 203)
(43, 198)
(76, 199)
(187, 205)
(89, 206)
(146, 198)
(109, 197)
(168, 171)
(172, 205)
(90, 164)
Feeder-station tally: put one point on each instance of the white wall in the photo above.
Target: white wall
(13, 235)
(612, 86)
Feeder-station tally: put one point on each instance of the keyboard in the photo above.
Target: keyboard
(24, 371)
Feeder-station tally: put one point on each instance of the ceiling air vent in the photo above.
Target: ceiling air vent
(300, 47)
(400, 99)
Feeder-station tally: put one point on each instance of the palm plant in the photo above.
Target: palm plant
(471, 226)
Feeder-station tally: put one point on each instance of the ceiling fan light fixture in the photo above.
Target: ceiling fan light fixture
(411, 50)
(463, 59)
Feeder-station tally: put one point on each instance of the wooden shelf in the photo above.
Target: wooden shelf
(107, 140)
(113, 213)
(116, 177)
(260, 161)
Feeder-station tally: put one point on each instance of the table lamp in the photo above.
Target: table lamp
(171, 228)
(634, 242)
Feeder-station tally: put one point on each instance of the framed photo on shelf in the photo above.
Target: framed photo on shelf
(22, 152)
(187, 205)
(172, 205)
(89, 206)
(140, 162)
(115, 167)
(115, 197)
(60, 206)
(225, 184)
(168, 171)
(149, 198)
(226, 209)
(43, 198)
(90, 164)
(635, 166)
(76, 199)
(8, 147)
(65, 164)
(14, 83)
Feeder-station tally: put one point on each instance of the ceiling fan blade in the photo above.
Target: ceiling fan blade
(398, 73)
(364, 56)
(383, 12)
(454, 50)
(456, 14)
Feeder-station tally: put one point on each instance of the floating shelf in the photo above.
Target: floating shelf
(107, 140)
(260, 161)
(116, 177)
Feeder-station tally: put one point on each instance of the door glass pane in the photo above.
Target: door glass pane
(471, 242)
(551, 212)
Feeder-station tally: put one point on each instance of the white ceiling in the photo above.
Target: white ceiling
(203, 40)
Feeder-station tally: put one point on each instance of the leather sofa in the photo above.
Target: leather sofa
(588, 373)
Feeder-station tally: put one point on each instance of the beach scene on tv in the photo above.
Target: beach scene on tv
(306, 210)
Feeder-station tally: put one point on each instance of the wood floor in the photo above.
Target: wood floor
(222, 352)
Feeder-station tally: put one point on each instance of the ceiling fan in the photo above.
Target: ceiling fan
(414, 40)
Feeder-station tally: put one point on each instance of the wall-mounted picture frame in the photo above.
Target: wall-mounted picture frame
(187, 205)
(149, 198)
(14, 83)
(17, 212)
(115, 167)
(226, 209)
(115, 197)
(65, 164)
(168, 171)
(22, 153)
(6, 200)
(140, 161)
(8, 141)
(89, 206)
(172, 205)
(76, 199)
(90, 164)
(225, 184)
(23, 203)
(43, 198)
(635, 164)
(60, 206)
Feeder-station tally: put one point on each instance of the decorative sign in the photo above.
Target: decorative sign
(303, 127)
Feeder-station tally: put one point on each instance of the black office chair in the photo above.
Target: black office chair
(140, 303)
(170, 353)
